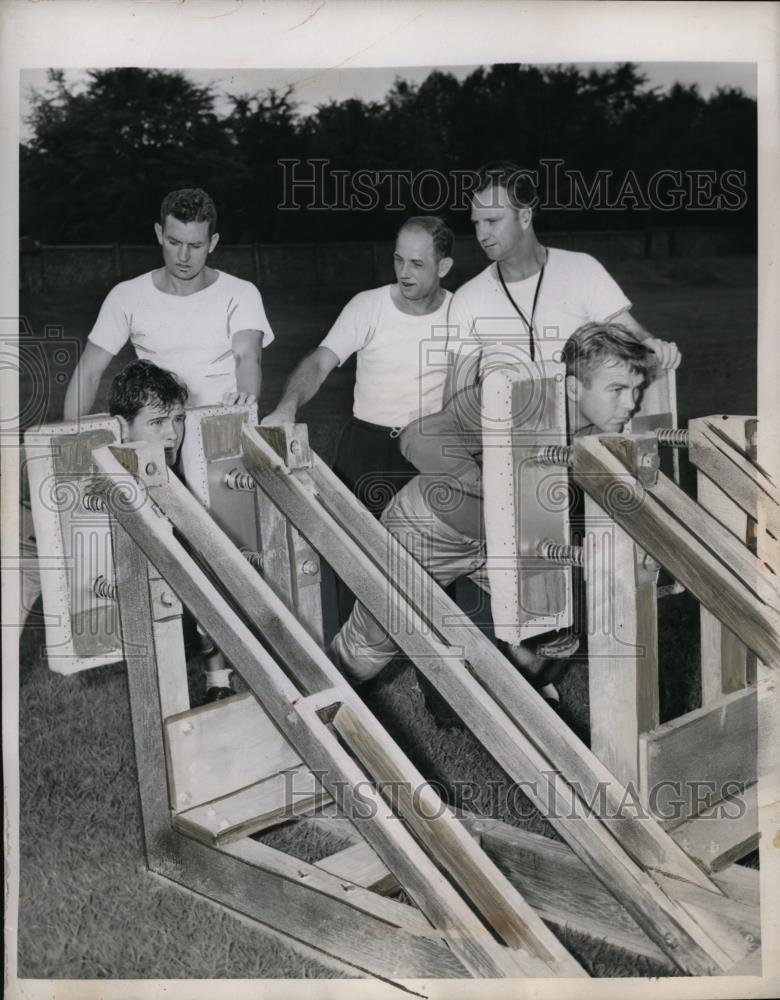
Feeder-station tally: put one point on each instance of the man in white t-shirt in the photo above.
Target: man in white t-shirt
(531, 298)
(205, 326)
(397, 331)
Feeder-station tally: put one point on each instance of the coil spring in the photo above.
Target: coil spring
(254, 558)
(102, 588)
(569, 555)
(238, 480)
(672, 437)
(555, 454)
(93, 501)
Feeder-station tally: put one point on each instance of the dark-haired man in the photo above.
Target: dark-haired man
(149, 404)
(206, 326)
(606, 371)
(390, 329)
(530, 298)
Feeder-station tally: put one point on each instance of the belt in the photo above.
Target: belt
(392, 432)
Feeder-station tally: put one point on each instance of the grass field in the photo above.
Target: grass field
(88, 907)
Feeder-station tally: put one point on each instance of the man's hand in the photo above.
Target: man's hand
(278, 417)
(238, 399)
(666, 351)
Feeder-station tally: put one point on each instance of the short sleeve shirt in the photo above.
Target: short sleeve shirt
(575, 289)
(189, 335)
(401, 358)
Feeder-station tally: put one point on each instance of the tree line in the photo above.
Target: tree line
(608, 153)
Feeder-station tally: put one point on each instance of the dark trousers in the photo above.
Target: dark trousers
(369, 462)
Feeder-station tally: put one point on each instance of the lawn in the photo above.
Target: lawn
(88, 908)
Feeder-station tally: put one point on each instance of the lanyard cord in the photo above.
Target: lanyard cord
(528, 325)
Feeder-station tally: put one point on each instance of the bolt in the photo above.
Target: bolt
(671, 940)
(295, 446)
(151, 468)
(187, 727)
(309, 567)
(166, 599)
(185, 798)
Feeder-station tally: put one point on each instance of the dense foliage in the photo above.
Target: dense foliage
(100, 157)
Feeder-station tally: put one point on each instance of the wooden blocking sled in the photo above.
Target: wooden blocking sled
(73, 543)
(526, 501)
(215, 474)
(468, 921)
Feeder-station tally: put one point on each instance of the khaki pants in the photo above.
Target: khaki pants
(363, 645)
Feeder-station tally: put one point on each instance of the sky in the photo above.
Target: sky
(318, 86)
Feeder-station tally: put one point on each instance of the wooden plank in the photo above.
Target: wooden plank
(422, 808)
(169, 641)
(142, 657)
(354, 925)
(262, 607)
(267, 803)
(361, 865)
(622, 644)
(507, 741)
(717, 446)
(314, 741)
(724, 659)
(566, 894)
(722, 834)
(218, 749)
(730, 586)
(689, 763)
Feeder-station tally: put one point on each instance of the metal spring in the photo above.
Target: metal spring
(238, 480)
(568, 555)
(102, 588)
(93, 501)
(254, 558)
(672, 437)
(555, 454)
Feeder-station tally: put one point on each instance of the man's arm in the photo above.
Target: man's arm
(84, 382)
(247, 348)
(666, 351)
(302, 386)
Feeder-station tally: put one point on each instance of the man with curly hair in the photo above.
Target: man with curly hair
(204, 325)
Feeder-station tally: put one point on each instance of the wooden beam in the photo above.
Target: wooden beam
(726, 663)
(566, 894)
(622, 644)
(705, 754)
(275, 799)
(723, 833)
(349, 923)
(217, 749)
(719, 448)
(422, 808)
(688, 543)
(356, 545)
(482, 955)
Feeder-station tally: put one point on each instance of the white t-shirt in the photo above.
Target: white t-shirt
(189, 335)
(575, 289)
(401, 361)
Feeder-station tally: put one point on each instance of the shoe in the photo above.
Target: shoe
(561, 647)
(218, 694)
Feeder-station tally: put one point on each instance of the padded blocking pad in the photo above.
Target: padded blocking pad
(73, 543)
(525, 502)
